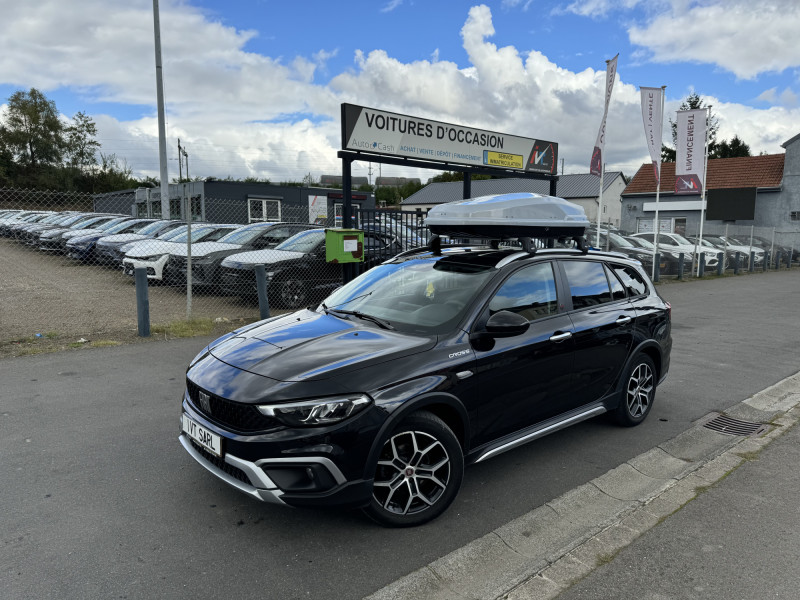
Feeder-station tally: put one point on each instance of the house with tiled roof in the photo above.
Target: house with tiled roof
(749, 194)
(582, 189)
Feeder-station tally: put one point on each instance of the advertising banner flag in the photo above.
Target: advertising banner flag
(690, 152)
(652, 101)
(596, 164)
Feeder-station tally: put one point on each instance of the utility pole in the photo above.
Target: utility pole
(186, 156)
(180, 162)
(162, 135)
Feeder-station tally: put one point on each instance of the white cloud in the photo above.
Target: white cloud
(245, 114)
(391, 5)
(740, 36)
(598, 8)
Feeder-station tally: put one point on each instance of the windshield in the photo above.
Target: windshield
(181, 235)
(681, 240)
(620, 241)
(304, 242)
(242, 236)
(426, 294)
(110, 224)
(152, 228)
(643, 243)
(125, 225)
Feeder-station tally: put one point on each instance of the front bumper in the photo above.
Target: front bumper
(289, 472)
(154, 268)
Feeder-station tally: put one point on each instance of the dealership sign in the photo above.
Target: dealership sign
(380, 132)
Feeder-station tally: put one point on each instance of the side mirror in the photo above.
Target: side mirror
(503, 324)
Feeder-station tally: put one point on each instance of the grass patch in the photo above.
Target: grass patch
(179, 329)
(52, 335)
(749, 456)
(605, 558)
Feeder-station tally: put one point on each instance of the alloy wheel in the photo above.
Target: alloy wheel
(412, 474)
(640, 390)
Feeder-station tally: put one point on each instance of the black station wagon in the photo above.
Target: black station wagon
(440, 357)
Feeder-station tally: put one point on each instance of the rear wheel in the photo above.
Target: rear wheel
(640, 391)
(419, 472)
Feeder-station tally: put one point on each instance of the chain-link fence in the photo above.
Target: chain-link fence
(67, 260)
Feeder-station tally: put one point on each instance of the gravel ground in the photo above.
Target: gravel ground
(66, 301)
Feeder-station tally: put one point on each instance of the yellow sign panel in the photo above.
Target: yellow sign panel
(501, 159)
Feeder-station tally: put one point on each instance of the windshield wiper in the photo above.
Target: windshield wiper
(379, 322)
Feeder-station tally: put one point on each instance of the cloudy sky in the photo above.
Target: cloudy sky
(254, 87)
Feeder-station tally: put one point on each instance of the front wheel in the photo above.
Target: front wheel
(640, 391)
(289, 293)
(419, 472)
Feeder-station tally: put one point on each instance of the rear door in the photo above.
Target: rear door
(603, 320)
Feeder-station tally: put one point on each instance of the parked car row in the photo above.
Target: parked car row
(223, 257)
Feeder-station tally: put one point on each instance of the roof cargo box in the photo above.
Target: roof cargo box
(502, 216)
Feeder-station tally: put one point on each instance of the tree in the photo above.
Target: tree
(80, 144)
(736, 147)
(32, 130)
(693, 101)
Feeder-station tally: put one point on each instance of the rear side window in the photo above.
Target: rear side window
(617, 290)
(587, 283)
(531, 292)
(631, 280)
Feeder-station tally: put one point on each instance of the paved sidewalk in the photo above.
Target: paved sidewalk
(740, 539)
(736, 534)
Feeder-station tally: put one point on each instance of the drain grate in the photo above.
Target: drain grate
(723, 424)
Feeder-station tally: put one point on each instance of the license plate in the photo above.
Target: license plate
(208, 440)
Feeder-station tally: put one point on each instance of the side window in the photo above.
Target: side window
(632, 280)
(531, 292)
(587, 283)
(617, 290)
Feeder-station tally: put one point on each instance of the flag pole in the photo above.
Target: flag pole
(705, 184)
(600, 205)
(656, 228)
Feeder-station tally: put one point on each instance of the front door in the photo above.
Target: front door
(527, 378)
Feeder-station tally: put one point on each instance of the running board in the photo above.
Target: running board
(526, 435)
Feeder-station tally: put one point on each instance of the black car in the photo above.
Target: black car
(297, 270)
(379, 396)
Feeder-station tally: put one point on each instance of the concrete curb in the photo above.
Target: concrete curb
(542, 553)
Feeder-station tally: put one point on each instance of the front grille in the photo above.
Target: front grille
(234, 472)
(233, 415)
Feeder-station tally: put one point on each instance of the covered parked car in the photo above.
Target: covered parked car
(82, 247)
(297, 270)
(54, 240)
(380, 395)
(109, 248)
(208, 256)
(679, 244)
(153, 255)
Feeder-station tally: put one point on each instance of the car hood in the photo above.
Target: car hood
(309, 346)
(204, 248)
(121, 238)
(152, 247)
(246, 260)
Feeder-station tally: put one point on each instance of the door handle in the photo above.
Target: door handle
(560, 337)
(623, 320)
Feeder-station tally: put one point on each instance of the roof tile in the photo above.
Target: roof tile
(740, 172)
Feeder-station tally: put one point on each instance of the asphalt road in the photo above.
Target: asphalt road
(99, 500)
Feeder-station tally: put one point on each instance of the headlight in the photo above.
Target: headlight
(316, 412)
(152, 257)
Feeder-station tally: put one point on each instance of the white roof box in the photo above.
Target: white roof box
(508, 216)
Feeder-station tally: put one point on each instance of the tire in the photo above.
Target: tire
(419, 472)
(289, 293)
(638, 393)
